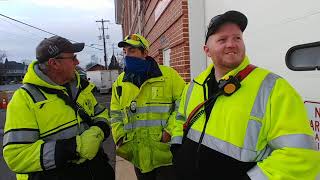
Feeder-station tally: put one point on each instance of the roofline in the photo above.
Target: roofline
(87, 69)
(118, 11)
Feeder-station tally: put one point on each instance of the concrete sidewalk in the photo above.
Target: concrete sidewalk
(124, 170)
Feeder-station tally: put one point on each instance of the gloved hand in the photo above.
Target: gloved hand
(88, 142)
(104, 127)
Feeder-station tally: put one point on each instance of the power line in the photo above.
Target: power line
(19, 27)
(40, 29)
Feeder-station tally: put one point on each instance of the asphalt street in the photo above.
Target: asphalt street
(5, 173)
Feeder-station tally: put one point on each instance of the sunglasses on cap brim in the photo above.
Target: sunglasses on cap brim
(135, 38)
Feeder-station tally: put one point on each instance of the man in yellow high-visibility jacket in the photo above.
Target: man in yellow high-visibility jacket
(144, 103)
(54, 125)
(251, 127)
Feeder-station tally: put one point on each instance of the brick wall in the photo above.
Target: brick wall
(170, 30)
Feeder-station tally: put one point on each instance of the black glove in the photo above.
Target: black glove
(104, 127)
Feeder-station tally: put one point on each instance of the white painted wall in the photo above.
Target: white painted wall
(273, 27)
(197, 29)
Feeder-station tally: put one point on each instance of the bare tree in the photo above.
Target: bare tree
(3, 55)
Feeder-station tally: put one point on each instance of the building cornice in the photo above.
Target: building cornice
(119, 6)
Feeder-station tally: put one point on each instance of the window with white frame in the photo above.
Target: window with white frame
(166, 57)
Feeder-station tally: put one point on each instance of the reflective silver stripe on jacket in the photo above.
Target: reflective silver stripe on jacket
(98, 108)
(116, 113)
(176, 105)
(116, 116)
(20, 136)
(48, 152)
(150, 109)
(258, 110)
(295, 141)
(256, 173)
(115, 120)
(34, 92)
(248, 153)
(144, 123)
(180, 117)
(67, 133)
(261, 101)
(95, 120)
(241, 154)
(188, 95)
(176, 140)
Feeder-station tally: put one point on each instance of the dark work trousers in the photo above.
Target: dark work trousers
(160, 173)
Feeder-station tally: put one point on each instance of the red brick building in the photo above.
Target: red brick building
(165, 24)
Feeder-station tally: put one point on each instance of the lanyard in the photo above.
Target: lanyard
(226, 87)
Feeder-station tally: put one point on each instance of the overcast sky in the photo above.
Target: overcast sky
(72, 19)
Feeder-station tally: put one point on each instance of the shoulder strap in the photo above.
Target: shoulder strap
(34, 93)
(245, 72)
(119, 87)
(84, 83)
(194, 115)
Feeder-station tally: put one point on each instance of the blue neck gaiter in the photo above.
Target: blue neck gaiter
(137, 65)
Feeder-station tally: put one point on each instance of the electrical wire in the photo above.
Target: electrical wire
(15, 25)
(41, 29)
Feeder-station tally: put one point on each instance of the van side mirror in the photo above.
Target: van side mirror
(304, 57)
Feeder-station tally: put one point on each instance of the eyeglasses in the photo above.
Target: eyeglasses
(135, 38)
(74, 57)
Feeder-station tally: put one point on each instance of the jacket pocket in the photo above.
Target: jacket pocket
(143, 158)
(155, 134)
(161, 154)
(125, 151)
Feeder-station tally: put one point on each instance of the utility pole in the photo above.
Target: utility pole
(104, 42)
(113, 48)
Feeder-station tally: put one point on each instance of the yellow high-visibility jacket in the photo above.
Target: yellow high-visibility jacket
(36, 121)
(156, 103)
(265, 121)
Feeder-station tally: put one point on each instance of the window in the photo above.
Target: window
(304, 57)
(166, 57)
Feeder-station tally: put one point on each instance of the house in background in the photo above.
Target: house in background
(12, 72)
(96, 67)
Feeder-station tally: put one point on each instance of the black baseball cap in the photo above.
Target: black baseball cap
(53, 46)
(229, 16)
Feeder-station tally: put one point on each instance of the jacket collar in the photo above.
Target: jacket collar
(36, 77)
(201, 79)
(154, 72)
